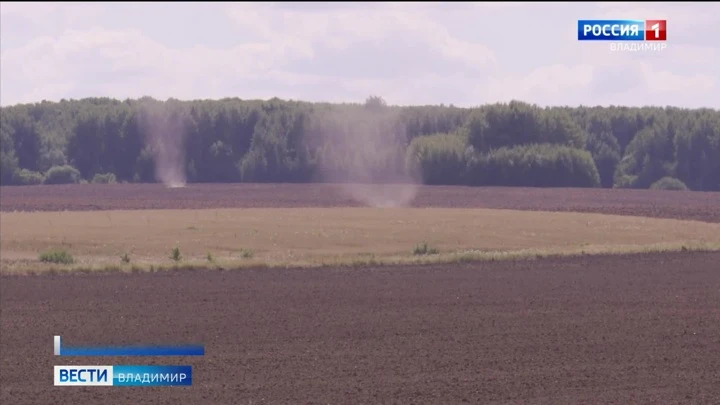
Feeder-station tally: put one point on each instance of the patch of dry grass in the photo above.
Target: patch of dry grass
(322, 236)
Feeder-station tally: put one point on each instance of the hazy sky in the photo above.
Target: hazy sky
(423, 53)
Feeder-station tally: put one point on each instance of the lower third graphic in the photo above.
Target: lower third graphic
(123, 376)
(181, 350)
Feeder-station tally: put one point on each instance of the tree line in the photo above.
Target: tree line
(233, 140)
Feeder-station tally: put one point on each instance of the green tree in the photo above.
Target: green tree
(87, 145)
(605, 151)
(439, 159)
(669, 183)
(538, 165)
(26, 138)
(648, 158)
(8, 161)
(62, 175)
(698, 152)
(280, 141)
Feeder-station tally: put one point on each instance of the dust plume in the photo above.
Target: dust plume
(366, 154)
(382, 195)
(164, 130)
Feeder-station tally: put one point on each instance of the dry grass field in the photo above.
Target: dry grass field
(314, 236)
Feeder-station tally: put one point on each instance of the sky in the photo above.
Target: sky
(465, 54)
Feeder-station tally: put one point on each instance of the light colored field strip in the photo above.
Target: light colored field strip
(329, 236)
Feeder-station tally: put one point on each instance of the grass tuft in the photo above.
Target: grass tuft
(422, 249)
(175, 254)
(58, 256)
(247, 253)
(362, 260)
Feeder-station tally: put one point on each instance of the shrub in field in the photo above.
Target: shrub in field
(64, 174)
(669, 183)
(125, 258)
(27, 177)
(423, 249)
(209, 257)
(247, 253)
(107, 178)
(175, 254)
(59, 256)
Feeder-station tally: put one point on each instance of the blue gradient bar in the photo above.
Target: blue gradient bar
(180, 350)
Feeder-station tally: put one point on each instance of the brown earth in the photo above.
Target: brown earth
(615, 329)
(597, 330)
(667, 204)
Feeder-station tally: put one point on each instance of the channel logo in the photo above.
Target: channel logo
(123, 376)
(622, 30)
(84, 375)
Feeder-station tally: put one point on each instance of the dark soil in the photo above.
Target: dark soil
(651, 203)
(590, 330)
(618, 329)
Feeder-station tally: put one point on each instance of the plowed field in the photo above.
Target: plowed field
(666, 204)
(596, 330)
(636, 329)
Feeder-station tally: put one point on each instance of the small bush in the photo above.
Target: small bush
(247, 253)
(65, 174)
(423, 249)
(59, 256)
(125, 258)
(669, 183)
(27, 177)
(209, 257)
(175, 254)
(107, 178)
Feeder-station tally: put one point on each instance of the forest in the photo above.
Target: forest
(103, 140)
